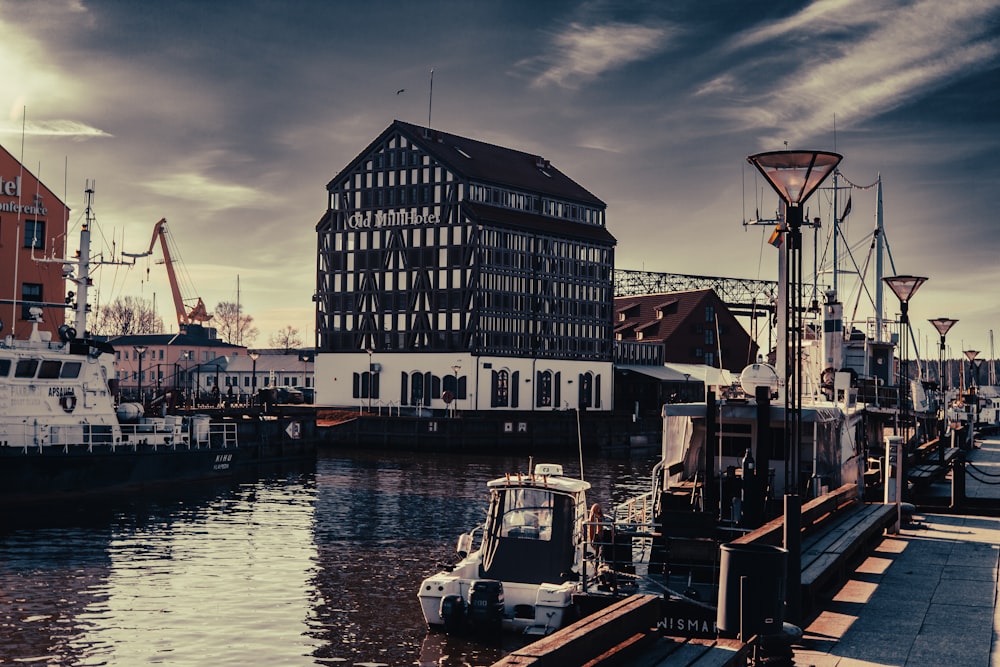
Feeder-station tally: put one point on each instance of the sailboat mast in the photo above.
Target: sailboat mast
(879, 252)
(836, 233)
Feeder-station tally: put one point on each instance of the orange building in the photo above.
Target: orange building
(33, 222)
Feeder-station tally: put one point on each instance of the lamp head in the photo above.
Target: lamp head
(795, 175)
(970, 354)
(943, 325)
(904, 287)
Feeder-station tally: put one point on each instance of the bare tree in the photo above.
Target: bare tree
(286, 339)
(125, 316)
(233, 325)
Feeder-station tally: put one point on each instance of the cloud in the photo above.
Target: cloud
(858, 60)
(213, 196)
(52, 128)
(582, 53)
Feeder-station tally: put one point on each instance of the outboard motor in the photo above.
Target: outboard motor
(452, 612)
(486, 605)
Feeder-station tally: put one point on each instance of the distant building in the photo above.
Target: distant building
(670, 347)
(33, 223)
(170, 361)
(190, 362)
(452, 272)
(693, 327)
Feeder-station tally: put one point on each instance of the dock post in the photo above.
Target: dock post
(793, 545)
(958, 481)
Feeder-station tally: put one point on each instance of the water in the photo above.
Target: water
(311, 566)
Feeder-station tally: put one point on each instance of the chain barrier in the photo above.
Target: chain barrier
(970, 464)
(982, 472)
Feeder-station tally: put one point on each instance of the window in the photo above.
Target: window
(34, 234)
(500, 389)
(543, 387)
(25, 368)
(49, 370)
(527, 514)
(31, 293)
(586, 397)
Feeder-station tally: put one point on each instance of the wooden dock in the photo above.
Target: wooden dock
(625, 633)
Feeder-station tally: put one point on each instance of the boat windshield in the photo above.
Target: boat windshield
(527, 514)
(528, 536)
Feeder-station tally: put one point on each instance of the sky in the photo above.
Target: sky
(228, 119)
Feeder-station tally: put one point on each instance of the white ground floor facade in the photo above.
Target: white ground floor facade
(413, 382)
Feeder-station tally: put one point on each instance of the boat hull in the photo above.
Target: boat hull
(53, 473)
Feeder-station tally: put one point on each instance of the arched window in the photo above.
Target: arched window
(543, 389)
(417, 388)
(500, 389)
(586, 398)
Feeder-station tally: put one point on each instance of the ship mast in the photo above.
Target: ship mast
(82, 279)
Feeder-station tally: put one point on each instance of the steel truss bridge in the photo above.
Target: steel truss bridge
(743, 296)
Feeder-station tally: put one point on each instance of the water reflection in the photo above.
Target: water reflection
(384, 521)
(298, 567)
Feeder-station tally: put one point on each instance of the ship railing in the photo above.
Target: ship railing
(635, 510)
(220, 435)
(617, 554)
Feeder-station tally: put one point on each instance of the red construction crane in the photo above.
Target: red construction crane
(197, 313)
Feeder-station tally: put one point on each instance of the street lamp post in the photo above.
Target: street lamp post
(943, 326)
(140, 350)
(457, 367)
(971, 356)
(370, 353)
(904, 287)
(794, 175)
(973, 395)
(254, 356)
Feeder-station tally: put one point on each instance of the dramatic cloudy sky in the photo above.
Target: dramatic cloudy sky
(228, 118)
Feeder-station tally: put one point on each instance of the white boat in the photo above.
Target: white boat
(63, 435)
(533, 560)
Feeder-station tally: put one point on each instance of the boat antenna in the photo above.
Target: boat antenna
(579, 441)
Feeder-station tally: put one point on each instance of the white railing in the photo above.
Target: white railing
(157, 433)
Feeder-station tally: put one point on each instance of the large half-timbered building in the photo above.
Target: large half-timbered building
(453, 273)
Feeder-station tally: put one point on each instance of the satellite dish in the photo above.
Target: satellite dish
(758, 375)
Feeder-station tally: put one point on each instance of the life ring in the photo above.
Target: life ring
(594, 520)
(68, 401)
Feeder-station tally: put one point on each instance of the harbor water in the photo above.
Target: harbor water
(312, 565)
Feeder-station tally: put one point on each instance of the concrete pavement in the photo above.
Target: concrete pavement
(927, 596)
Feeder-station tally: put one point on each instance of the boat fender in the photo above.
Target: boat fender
(452, 612)
(68, 401)
(464, 547)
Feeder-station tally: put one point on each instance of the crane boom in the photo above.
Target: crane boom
(198, 312)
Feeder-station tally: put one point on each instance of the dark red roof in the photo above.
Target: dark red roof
(641, 313)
